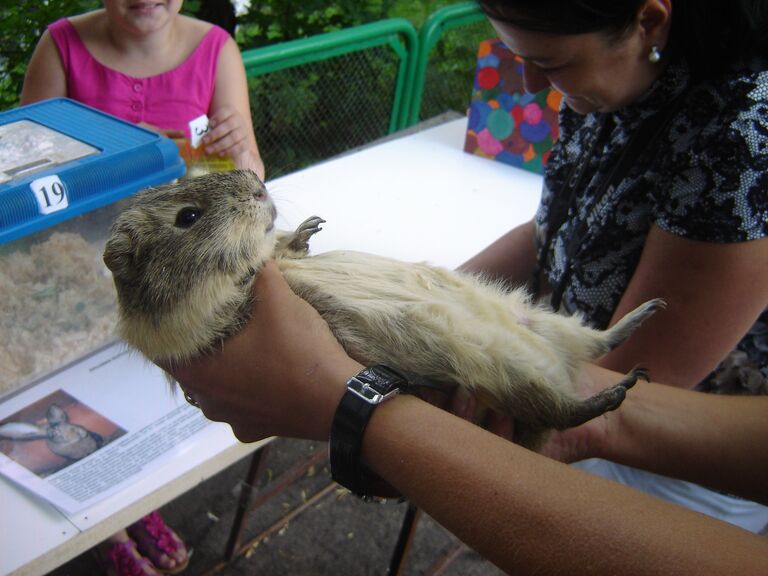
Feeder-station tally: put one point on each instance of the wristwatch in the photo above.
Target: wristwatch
(365, 391)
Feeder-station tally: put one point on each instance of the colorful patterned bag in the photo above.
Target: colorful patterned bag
(505, 122)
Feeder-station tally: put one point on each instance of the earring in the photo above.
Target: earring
(654, 55)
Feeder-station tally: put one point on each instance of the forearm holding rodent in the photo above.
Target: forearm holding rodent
(682, 433)
(529, 514)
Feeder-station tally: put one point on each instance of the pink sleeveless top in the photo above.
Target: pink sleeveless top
(168, 101)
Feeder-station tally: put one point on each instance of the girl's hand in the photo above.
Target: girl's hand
(229, 135)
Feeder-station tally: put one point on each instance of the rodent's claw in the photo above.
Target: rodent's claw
(305, 231)
(310, 227)
(296, 244)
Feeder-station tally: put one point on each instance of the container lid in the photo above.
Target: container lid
(60, 158)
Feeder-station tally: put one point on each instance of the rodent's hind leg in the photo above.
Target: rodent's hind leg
(604, 401)
(296, 244)
(532, 432)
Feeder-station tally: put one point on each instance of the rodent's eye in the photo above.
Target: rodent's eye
(188, 216)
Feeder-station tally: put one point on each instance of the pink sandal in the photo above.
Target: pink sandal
(123, 559)
(160, 544)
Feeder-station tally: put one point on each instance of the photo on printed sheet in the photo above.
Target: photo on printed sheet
(54, 432)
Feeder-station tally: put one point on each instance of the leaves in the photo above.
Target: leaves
(21, 25)
(266, 22)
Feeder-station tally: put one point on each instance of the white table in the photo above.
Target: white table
(417, 198)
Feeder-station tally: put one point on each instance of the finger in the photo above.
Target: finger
(221, 115)
(463, 404)
(270, 281)
(500, 425)
(221, 124)
(231, 143)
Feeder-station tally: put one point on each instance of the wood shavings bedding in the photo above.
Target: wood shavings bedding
(58, 303)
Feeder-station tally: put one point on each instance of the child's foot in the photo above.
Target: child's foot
(121, 558)
(155, 540)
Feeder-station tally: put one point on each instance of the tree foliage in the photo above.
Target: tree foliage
(21, 25)
(301, 115)
(265, 22)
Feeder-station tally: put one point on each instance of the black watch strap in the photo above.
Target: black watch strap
(366, 390)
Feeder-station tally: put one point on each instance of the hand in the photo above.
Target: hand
(591, 438)
(230, 135)
(577, 443)
(571, 445)
(283, 374)
(466, 406)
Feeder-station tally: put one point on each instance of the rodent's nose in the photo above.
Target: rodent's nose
(260, 194)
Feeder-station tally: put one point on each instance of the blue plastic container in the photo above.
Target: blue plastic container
(108, 159)
(66, 173)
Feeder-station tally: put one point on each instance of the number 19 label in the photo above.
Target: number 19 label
(50, 194)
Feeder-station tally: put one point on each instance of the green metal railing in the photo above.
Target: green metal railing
(315, 97)
(445, 64)
(397, 33)
(438, 23)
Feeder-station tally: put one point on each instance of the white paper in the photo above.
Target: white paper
(50, 193)
(92, 441)
(197, 129)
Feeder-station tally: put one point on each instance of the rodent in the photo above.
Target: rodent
(183, 257)
(70, 441)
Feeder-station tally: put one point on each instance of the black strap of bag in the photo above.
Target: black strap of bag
(639, 147)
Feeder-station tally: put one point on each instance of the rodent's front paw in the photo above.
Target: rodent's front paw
(299, 242)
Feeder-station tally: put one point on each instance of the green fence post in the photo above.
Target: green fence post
(398, 33)
(434, 27)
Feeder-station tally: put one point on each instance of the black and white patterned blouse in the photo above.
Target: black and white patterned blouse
(705, 178)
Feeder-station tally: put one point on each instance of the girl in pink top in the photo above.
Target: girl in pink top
(146, 63)
(142, 61)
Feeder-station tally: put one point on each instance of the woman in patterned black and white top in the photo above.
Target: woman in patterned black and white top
(657, 187)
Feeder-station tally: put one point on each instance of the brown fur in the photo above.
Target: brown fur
(182, 290)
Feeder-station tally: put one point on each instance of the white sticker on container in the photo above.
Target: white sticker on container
(50, 194)
(197, 129)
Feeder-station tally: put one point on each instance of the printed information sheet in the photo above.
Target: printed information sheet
(73, 440)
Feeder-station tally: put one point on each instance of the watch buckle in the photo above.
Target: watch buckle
(367, 392)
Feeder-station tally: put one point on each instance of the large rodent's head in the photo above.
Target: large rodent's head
(182, 254)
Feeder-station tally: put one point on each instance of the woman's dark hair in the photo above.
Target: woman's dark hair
(711, 35)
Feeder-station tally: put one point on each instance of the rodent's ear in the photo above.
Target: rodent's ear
(56, 415)
(119, 252)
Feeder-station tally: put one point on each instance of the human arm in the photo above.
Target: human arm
(512, 257)
(710, 439)
(714, 293)
(230, 124)
(529, 514)
(45, 77)
(284, 374)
